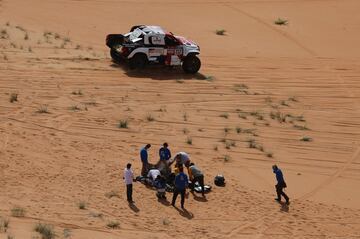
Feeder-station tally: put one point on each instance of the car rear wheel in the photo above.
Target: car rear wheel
(138, 61)
(115, 56)
(191, 64)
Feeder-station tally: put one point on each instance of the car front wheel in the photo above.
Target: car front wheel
(115, 56)
(138, 61)
(191, 64)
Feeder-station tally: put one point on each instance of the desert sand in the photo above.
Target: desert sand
(291, 91)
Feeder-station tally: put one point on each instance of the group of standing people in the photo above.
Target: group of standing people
(161, 172)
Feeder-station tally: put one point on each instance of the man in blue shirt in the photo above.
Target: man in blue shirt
(181, 183)
(164, 152)
(144, 160)
(280, 184)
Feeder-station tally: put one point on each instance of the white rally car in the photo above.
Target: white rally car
(152, 44)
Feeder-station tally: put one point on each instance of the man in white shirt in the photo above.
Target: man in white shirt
(128, 179)
(153, 173)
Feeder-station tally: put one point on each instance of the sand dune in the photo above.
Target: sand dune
(292, 91)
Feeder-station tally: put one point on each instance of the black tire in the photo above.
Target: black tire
(115, 56)
(191, 64)
(138, 61)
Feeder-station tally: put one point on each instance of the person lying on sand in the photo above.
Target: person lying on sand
(152, 175)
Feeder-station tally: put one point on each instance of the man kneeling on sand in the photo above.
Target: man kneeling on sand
(157, 180)
(196, 175)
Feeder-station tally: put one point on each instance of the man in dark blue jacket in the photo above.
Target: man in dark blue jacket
(164, 152)
(144, 160)
(181, 183)
(280, 184)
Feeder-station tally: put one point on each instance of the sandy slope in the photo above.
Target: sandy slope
(306, 73)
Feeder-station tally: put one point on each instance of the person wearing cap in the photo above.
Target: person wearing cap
(144, 160)
(280, 184)
(164, 152)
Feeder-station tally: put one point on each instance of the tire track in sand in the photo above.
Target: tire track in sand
(346, 165)
(284, 34)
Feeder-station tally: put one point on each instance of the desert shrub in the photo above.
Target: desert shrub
(123, 124)
(150, 118)
(82, 205)
(165, 221)
(220, 32)
(42, 109)
(67, 233)
(45, 230)
(226, 130)
(224, 115)
(189, 140)
(4, 34)
(306, 139)
(229, 144)
(13, 97)
(251, 143)
(66, 40)
(4, 224)
(242, 115)
(293, 98)
(77, 92)
(185, 117)
(18, 212)
(301, 127)
(113, 224)
(281, 21)
(75, 108)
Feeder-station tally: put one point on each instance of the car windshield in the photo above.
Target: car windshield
(171, 41)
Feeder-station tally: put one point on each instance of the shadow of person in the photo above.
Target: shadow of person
(199, 199)
(284, 207)
(185, 213)
(133, 207)
(164, 201)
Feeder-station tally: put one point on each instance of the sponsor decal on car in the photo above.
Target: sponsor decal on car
(156, 51)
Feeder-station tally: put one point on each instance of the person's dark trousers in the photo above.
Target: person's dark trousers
(200, 179)
(182, 194)
(279, 190)
(144, 169)
(129, 189)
